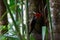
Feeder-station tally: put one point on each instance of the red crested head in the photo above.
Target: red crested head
(37, 15)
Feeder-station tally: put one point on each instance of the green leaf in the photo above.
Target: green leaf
(12, 2)
(32, 37)
(11, 38)
(2, 37)
(12, 8)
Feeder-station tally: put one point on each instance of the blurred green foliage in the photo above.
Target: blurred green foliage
(12, 32)
(15, 27)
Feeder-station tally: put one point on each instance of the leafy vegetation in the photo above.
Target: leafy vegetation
(18, 17)
(14, 27)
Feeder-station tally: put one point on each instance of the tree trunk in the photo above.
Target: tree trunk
(3, 20)
(37, 6)
(55, 4)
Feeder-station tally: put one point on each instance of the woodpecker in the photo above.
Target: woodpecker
(37, 19)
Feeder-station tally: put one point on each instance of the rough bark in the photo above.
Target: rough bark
(37, 6)
(55, 4)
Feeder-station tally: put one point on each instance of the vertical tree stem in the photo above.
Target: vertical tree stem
(16, 9)
(22, 17)
(50, 20)
(27, 20)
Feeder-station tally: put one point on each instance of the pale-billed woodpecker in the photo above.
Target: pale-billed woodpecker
(39, 20)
